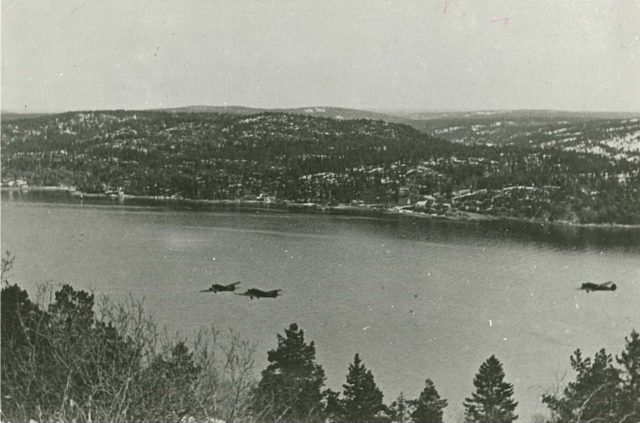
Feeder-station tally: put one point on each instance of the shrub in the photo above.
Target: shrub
(63, 362)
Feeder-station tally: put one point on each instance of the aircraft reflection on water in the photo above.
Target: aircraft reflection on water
(251, 293)
(590, 286)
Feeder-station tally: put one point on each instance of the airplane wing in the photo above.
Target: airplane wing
(606, 284)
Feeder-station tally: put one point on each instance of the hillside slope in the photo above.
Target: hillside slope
(607, 133)
(279, 157)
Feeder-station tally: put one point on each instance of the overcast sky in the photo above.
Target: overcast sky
(429, 54)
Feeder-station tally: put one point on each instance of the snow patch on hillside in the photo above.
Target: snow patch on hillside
(630, 142)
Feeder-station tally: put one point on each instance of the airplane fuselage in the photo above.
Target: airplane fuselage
(589, 286)
(222, 288)
(258, 293)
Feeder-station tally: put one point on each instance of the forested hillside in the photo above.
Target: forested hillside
(601, 133)
(279, 157)
(613, 134)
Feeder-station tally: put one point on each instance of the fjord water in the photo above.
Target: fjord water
(417, 298)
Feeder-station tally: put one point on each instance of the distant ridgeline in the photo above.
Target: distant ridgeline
(570, 169)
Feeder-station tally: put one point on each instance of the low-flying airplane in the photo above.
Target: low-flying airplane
(590, 286)
(221, 288)
(258, 293)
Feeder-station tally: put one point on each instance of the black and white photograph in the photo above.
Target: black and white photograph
(301, 211)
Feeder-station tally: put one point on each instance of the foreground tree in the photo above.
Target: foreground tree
(492, 401)
(332, 405)
(63, 362)
(22, 354)
(5, 267)
(592, 396)
(400, 409)
(290, 388)
(630, 374)
(362, 400)
(601, 392)
(429, 406)
(171, 380)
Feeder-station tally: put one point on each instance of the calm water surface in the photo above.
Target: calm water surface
(416, 298)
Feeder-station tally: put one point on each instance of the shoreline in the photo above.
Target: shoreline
(365, 210)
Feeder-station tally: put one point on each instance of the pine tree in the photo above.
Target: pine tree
(630, 361)
(362, 399)
(492, 401)
(428, 407)
(400, 409)
(332, 405)
(290, 388)
(594, 393)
